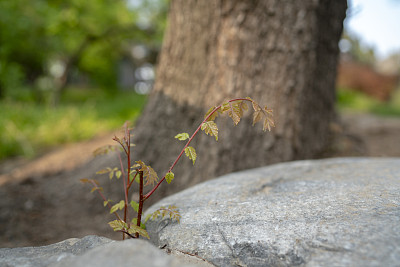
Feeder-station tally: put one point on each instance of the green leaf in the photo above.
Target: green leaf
(135, 205)
(118, 174)
(105, 203)
(134, 222)
(118, 225)
(169, 177)
(257, 115)
(243, 106)
(96, 188)
(135, 166)
(191, 153)
(256, 107)
(90, 181)
(118, 206)
(155, 214)
(172, 212)
(182, 136)
(148, 217)
(268, 123)
(107, 170)
(224, 107)
(213, 116)
(268, 111)
(210, 127)
(150, 176)
(235, 112)
(136, 229)
(110, 172)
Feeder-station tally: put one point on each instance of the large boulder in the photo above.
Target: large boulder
(49, 255)
(95, 251)
(334, 212)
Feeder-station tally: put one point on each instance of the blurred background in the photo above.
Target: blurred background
(72, 70)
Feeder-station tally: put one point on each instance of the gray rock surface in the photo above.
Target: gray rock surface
(333, 212)
(128, 253)
(49, 255)
(94, 251)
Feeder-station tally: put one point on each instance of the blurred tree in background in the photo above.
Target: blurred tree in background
(46, 44)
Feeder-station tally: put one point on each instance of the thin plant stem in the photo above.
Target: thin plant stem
(125, 190)
(141, 200)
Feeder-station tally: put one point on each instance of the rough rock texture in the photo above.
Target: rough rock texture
(48, 255)
(94, 251)
(128, 253)
(334, 212)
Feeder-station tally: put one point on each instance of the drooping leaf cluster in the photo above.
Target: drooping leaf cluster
(131, 229)
(171, 211)
(265, 114)
(235, 109)
(150, 175)
(111, 172)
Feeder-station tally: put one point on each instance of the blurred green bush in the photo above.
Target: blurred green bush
(349, 100)
(28, 128)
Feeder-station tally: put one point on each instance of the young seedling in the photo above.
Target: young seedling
(144, 175)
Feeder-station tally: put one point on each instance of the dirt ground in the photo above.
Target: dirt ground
(42, 201)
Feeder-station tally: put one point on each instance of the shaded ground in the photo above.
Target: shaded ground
(42, 201)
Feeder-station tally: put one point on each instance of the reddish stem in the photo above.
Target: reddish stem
(125, 177)
(125, 191)
(141, 200)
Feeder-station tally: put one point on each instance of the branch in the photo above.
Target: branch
(188, 142)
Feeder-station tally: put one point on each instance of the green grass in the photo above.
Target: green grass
(354, 101)
(28, 128)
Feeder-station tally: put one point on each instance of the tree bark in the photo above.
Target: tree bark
(283, 54)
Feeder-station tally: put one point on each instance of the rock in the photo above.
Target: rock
(128, 253)
(49, 255)
(333, 212)
(94, 251)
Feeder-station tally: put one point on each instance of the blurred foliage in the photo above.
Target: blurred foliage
(351, 44)
(349, 100)
(42, 38)
(29, 128)
(47, 46)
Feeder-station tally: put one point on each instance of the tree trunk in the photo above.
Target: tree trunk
(283, 54)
